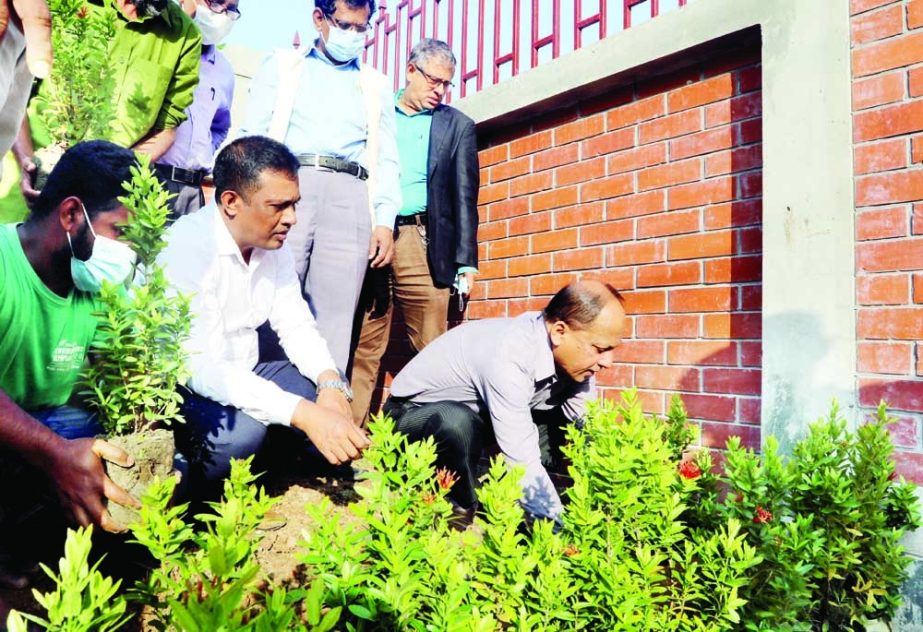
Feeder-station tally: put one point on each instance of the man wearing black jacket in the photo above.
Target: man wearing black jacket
(436, 229)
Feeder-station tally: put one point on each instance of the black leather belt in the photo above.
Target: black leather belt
(183, 176)
(334, 164)
(410, 220)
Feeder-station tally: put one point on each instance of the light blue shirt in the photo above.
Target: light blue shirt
(329, 118)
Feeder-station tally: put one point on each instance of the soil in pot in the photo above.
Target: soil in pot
(152, 451)
(45, 160)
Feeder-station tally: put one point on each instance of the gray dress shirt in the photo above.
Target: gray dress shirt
(504, 368)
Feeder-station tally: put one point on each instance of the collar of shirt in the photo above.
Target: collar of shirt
(224, 241)
(209, 52)
(315, 52)
(399, 110)
(544, 368)
(163, 15)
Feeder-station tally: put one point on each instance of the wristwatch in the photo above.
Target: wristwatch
(339, 385)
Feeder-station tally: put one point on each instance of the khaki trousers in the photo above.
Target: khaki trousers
(423, 306)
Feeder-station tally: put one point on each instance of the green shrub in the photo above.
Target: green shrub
(827, 522)
(208, 579)
(138, 356)
(652, 539)
(78, 104)
(83, 599)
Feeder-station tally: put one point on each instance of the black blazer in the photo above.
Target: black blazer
(451, 195)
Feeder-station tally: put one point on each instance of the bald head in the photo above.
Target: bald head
(585, 322)
(579, 303)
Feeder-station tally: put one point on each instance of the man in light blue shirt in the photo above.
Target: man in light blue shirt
(337, 117)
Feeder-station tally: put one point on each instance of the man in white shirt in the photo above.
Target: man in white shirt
(231, 259)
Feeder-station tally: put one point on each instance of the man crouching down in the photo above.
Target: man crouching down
(512, 381)
(231, 259)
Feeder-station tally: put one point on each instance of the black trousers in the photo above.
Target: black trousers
(461, 434)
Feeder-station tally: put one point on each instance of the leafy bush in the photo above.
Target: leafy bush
(827, 522)
(652, 539)
(78, 93)
(207, 579)
(138, 357)
(83, 599)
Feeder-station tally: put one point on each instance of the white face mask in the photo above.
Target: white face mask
(343, 45)
(110, 260)
(213, 26)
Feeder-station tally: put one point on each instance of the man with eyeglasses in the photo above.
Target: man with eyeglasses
(155, 68)
(436, 245)
(337, 116)
(189, 160)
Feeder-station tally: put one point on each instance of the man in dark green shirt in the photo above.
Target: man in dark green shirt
(155, 55)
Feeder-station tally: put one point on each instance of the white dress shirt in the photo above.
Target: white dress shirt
(230, 299)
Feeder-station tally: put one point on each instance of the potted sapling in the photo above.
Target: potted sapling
(75, 101)
(137, 359)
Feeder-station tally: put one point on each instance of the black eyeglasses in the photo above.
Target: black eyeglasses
(217, 6)
(435, 81)
(348, 26)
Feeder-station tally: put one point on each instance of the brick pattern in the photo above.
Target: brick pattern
(887, 66)
(657, 191)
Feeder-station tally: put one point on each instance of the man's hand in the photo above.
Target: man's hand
(381, 248)
(35, 19)
(469, 282)
(76, 469)
(337, 438)
(27, 169)
(331, 398)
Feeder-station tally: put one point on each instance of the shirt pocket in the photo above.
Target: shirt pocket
(143, 94)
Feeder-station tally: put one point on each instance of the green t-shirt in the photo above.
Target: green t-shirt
(43, 337)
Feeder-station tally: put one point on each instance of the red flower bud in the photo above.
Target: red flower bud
(570, 550)
(429, 498)
(762, 515)
(689, 470)
(83, 12)
(446, 478)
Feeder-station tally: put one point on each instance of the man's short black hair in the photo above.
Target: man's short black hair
(329, 7)
(93, 171)
(578, 304)
(239, 165)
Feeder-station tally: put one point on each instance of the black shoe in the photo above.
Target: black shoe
(461, 517)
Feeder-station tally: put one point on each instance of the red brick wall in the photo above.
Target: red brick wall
(887, 62)
(657, 189)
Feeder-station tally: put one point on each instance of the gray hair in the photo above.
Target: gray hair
(427, 49)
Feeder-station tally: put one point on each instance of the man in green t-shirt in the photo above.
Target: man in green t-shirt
(50, 268)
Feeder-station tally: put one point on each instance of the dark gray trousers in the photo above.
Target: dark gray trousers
(461, 435)
(213, 433)
(188, 199)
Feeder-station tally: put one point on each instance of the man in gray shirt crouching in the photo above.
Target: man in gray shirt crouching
(500, 379)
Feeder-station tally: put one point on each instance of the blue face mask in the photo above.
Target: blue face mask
(343, 45)
(110, 260)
